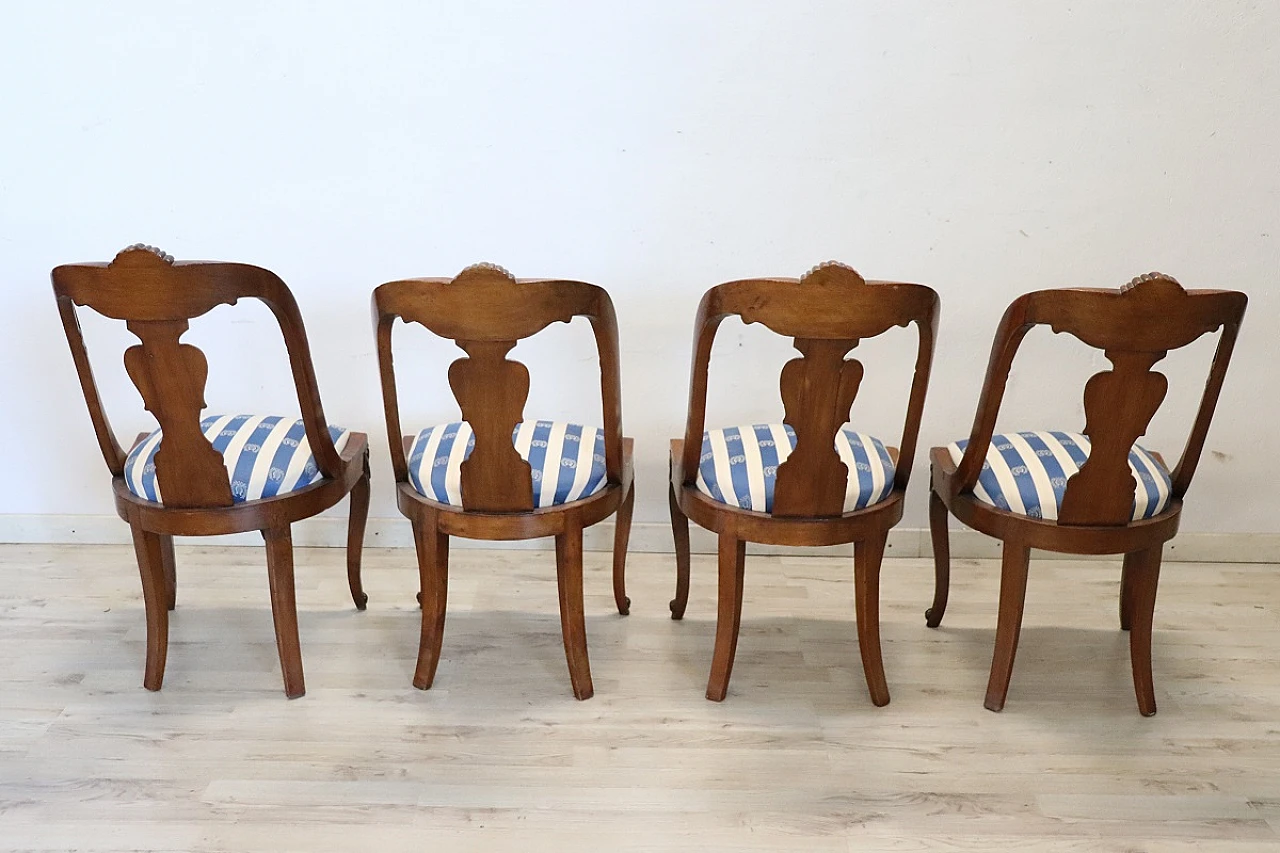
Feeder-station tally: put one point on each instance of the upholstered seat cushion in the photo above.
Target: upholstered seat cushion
(1027, 472)
(567, 460)
(739, 465)
(265, 456)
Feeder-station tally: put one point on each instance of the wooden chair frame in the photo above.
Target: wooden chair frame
(486, 312)
(827, 312)
(157, 298)
(1135, 326)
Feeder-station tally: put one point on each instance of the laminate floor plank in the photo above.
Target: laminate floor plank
(499, 756)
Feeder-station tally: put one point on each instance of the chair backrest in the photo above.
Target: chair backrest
(157, 298)
(827, 312)
(1135, 326)
(486, 312)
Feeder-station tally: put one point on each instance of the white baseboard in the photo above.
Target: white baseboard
(645, 537)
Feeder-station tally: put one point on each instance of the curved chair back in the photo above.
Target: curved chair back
(1135, 326)
(827, 312)
(157, 298)
(486, 311)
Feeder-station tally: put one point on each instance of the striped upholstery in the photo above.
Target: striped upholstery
(265, 456)
(567, 460)
(1027, 473)
(739, 465)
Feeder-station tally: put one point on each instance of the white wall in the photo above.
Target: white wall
(985, 147)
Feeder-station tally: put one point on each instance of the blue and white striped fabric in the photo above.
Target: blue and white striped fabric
(1027, 472)
(739, 465)
(567, 460)
(265, 456)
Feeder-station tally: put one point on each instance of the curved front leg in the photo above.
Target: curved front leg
(1013, 594)
(149, 549)
(355, 535)
(284, 608)
(621, 535)
(573, 622)
(868, 555)
(433, 571)
(1143, 576)
(732, 558)
(941, 560)
(680, 532)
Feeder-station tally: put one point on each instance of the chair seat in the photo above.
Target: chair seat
(739, 466)
(567, 460)
(1027, 472)
(265, 455)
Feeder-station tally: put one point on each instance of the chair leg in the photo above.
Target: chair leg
(732, 554)
(867, 557)
(284, 608)
(621, 535)
(170, 571)
(680, 531)
(149, 549)
(1126, 591)
(1143, 577)
(573, 624)
(433, 572)
(1013, 593)
(941, 560)
(355, 535)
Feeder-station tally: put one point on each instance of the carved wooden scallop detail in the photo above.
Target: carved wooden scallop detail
(482, 271)
(140, 251)
(1151, 278)
(832, 271)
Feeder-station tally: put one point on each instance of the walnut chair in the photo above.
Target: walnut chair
(809, 480)
(1092, 493)
(495, 475)
(222, 473)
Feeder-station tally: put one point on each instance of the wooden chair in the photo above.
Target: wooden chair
(225, 474)
(495, 475)
(1096, 493)
(835, 486)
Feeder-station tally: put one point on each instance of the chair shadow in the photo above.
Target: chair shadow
(518, 656)
(1056, 666)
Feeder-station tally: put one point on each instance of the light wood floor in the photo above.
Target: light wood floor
(498, 756)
